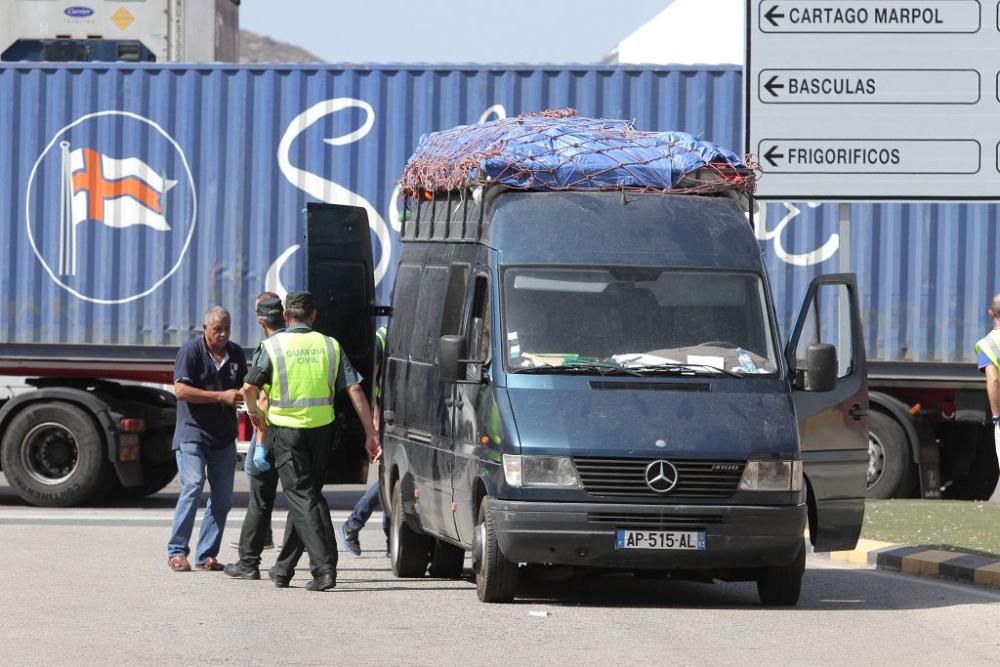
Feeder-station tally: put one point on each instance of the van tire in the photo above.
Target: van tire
(780, 586)
(496, 577)
(447, 561)
(54, 456)
(889, 458)
(409, 550)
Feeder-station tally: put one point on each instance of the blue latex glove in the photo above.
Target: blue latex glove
(260, 458)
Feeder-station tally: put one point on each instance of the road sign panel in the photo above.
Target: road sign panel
(877, 99)
(869, 156)
(887, 16)
(868, 86)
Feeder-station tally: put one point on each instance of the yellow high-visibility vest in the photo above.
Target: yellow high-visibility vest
(304, 369)
(990, 346)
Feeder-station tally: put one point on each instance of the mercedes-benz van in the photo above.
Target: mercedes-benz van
(597, 380)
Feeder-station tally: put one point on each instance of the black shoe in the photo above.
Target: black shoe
(280, 580)
(322, 583)
(350, 538)
(239, 571)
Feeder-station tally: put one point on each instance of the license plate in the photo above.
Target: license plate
(660, 539)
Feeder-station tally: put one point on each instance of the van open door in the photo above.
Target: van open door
(833, 410)
(340, 276)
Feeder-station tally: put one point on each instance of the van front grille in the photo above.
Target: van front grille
(696, 478)
(655, 521)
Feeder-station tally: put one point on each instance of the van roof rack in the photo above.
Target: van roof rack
(558, 150)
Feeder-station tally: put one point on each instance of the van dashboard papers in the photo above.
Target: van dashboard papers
(705, 360)
(639, 359)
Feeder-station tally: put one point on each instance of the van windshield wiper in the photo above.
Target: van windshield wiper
(580, 368)
(681, 369)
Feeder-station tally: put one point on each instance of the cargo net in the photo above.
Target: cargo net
(558, 150)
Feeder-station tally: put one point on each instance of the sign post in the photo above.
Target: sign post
(874, 99)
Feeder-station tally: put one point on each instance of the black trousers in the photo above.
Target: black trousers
(300, 456)
(256, 530)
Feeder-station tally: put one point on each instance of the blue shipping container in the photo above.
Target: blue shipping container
(203, 172)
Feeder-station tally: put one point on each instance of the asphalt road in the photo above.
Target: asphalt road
(91, 586)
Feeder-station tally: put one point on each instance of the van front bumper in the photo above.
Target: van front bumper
(737, 536)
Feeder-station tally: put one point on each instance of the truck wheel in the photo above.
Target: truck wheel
(496, 577)
(780, 586)
(447, 560)
(888, 458)
(53, 455)
(409, 550)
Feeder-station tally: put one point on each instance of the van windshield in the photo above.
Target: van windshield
(636, 320)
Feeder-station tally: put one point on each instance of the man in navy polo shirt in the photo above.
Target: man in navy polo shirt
(208, 376)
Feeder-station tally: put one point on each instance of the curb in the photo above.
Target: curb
(922, 562)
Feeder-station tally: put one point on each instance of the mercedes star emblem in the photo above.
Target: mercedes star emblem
(661, 476)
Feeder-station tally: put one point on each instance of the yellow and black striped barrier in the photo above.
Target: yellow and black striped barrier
(920, 561)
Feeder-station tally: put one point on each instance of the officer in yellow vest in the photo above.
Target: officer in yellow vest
(302, 371)
(988, 352)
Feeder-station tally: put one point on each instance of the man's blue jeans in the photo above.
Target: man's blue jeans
(363, 510)
(195, 464)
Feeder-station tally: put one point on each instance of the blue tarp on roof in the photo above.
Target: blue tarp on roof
(561, 151)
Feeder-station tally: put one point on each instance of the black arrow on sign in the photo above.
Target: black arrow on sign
(770, 16)
(771, 85)
(770, 155)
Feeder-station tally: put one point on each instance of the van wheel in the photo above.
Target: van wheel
(409, 550)
(496, 577)
(447, 560)
(53, 455)
(780, 586)
(888, 458)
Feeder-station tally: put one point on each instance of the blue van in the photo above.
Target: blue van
(596, 380)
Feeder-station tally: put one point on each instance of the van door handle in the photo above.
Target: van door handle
(453, 402)
(389, 417)
(857, 412)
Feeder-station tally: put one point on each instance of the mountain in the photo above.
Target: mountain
(255, 48)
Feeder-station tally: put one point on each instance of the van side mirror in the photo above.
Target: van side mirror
(821, 367)
(451, 358)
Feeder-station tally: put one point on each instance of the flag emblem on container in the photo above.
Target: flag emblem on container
(100, 189)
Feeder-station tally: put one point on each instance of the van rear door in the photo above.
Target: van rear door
(833, 425)
(340, 275)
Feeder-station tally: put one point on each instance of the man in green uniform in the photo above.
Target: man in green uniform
(262, 477)
(302, 372)
(371, 499)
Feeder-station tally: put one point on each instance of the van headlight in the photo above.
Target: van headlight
(540, 471)
(772, 476)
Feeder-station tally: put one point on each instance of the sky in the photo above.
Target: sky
(450, 31)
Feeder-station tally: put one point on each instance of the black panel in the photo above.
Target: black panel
(340, 275)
